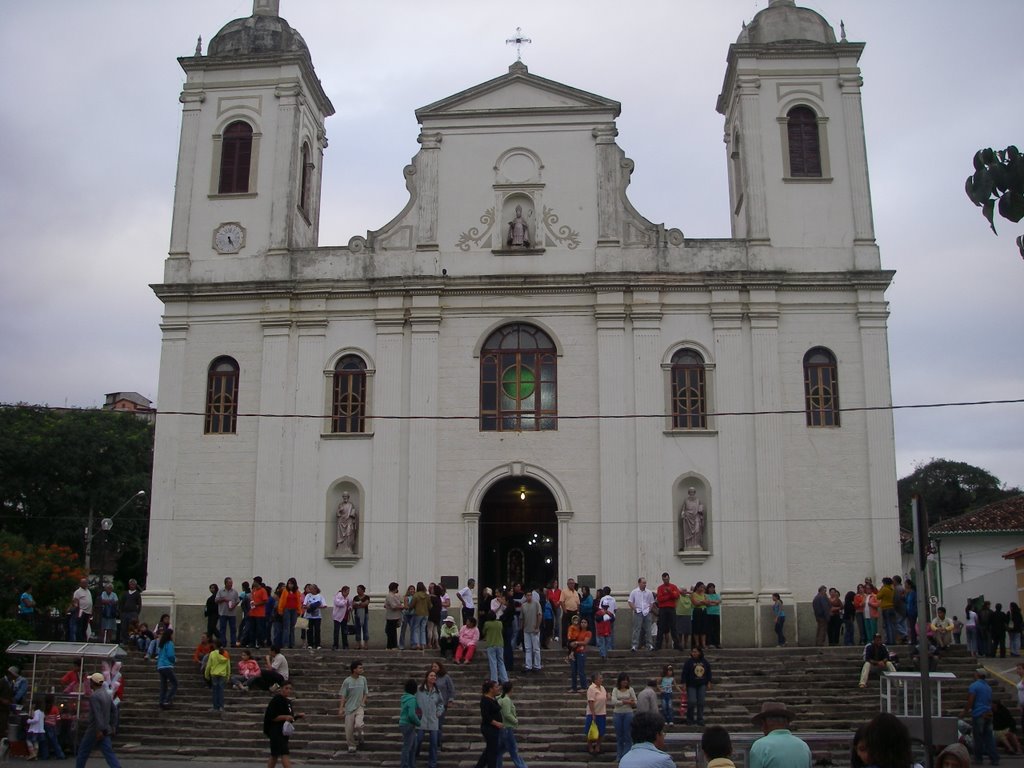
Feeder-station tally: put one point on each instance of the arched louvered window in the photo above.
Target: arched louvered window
(518, 380)
(804, 143)
(305, 179)
(235, 158)
(689, 394)
(348, 401)
(821, 388)
(221, 397)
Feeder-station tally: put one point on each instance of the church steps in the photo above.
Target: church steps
(820, 684)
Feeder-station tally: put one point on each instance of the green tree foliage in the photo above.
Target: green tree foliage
(57, 465)
(998, 182)
(949, 488)
(53, 570)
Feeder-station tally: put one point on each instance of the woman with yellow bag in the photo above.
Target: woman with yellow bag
(597, 714)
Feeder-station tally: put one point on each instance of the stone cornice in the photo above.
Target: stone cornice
(512, 285)
(793, 50)
(263, 61)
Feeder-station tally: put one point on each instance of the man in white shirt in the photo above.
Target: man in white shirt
(465, 596)
(641, 600)
(82, 599)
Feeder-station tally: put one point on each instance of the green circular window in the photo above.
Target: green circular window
(519, 386)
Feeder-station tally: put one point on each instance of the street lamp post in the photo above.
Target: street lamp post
(106, 524)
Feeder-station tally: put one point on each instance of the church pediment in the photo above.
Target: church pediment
(518, 92)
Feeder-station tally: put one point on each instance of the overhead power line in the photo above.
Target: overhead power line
(560, 416)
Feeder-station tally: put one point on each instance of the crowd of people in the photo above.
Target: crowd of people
(262, 621)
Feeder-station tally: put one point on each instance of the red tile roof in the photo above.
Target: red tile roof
(1006, 516)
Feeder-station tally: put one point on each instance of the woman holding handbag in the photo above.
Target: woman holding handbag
(279, 724)
(597, 714)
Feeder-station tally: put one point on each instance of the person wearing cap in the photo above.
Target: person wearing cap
(648, 751)
(97, 732)
(449, 637)
(778, 748)
(979, 706)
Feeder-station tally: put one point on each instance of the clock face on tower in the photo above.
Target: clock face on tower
(229, 237)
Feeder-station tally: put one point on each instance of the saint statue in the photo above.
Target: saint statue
(518, 230)
(692, 514)
(348, 524)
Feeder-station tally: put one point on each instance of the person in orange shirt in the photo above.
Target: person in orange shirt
(288, 609)
(258, 611)
(202, 651)
(666, 596)
(859, 601)
(579, 638)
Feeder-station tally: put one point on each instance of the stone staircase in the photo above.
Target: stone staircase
(819, 684)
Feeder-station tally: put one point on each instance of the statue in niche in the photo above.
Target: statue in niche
(692, 514)
(348, 524)
(518, 231)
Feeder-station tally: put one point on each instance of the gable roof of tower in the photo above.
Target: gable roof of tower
(518, 91)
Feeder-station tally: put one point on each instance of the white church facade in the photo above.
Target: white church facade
(519, 377)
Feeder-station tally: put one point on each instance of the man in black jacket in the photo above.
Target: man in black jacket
(131, 607)
(876, 656)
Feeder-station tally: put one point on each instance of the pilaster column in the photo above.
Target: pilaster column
(748, 88)
(608, 184)
(421, 532)
(383, 514)
(308, 495)
(471, 545)
(768, 431)
(285, 160)
(167, 445)
(654, 514)
(617, 491)
(184, 183)
(274, 514)
(565, 570)
(426, 181)
(872, 313)
(857, 158)
(735, 529)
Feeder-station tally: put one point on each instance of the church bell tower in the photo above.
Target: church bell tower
(250, 158)
(794, 134)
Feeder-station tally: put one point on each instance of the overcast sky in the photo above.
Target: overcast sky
(89, 132)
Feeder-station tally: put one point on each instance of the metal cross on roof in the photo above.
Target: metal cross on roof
(518, 41)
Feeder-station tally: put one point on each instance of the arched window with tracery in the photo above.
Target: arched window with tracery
(689, 391)
(221, 397)
(518, 380)
(821, 388)
(348, 399)
(804, 143)
(235, 158)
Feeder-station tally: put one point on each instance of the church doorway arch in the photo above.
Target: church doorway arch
(518, 534)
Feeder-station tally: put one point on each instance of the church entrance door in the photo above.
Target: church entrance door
(518, 534)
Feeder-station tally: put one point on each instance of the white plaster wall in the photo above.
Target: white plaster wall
(984, 571)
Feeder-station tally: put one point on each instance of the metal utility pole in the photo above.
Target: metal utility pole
(920, 517)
